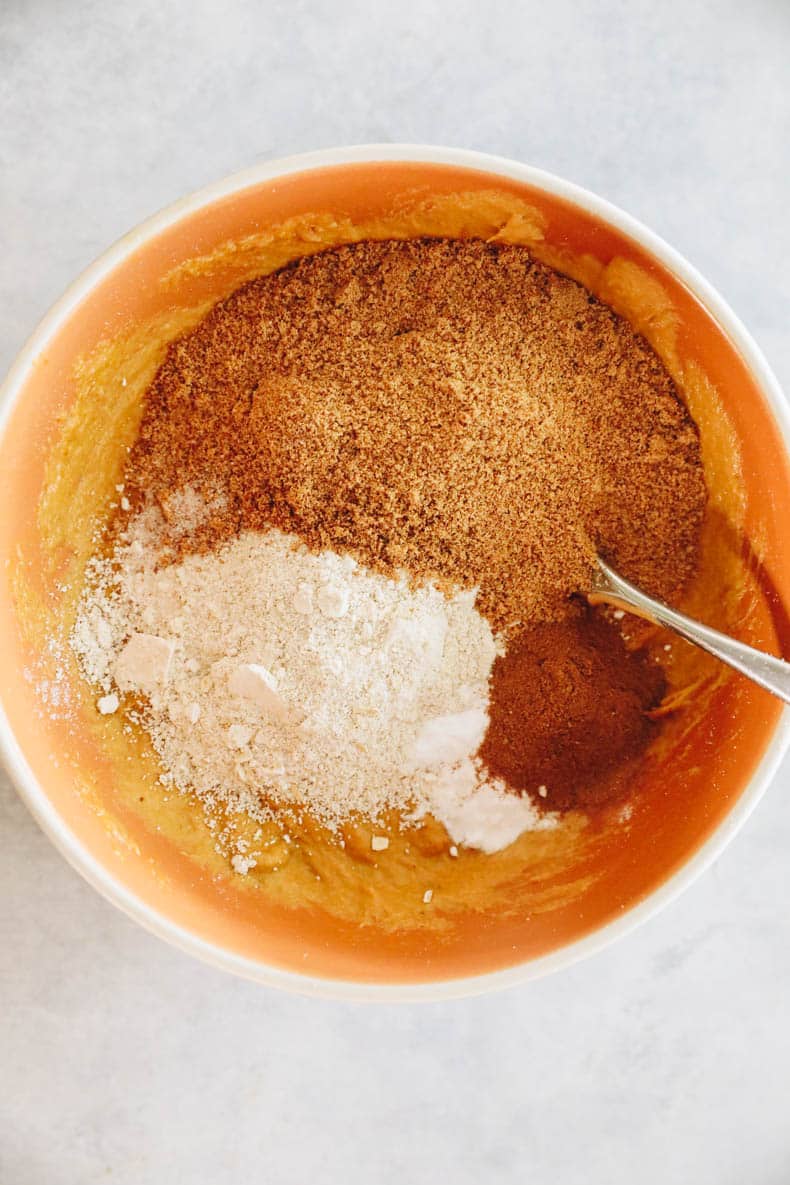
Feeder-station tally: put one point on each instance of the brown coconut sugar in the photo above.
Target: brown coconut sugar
(451, 407)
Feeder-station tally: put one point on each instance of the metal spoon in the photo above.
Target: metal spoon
(771, 673)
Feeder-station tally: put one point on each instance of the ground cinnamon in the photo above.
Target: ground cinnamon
(459, 410)
(568, 711)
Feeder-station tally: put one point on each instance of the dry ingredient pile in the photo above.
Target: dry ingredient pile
(278, 678)
(365, 497)
(453, 408)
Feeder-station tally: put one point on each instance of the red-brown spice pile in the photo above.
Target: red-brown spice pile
(568, 697)
(459, 410)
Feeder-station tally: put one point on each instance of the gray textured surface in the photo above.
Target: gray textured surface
(665, 1058)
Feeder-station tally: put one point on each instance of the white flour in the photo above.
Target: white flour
(278, 677)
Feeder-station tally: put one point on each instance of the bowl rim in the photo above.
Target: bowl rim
(99, 876)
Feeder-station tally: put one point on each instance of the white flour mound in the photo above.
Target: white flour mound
(276, 675)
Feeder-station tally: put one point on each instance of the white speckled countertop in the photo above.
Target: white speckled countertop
(664, 1059)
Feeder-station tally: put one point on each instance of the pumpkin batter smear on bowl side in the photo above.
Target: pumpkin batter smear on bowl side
(346, 577)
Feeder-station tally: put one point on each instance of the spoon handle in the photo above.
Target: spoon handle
(771, 673)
